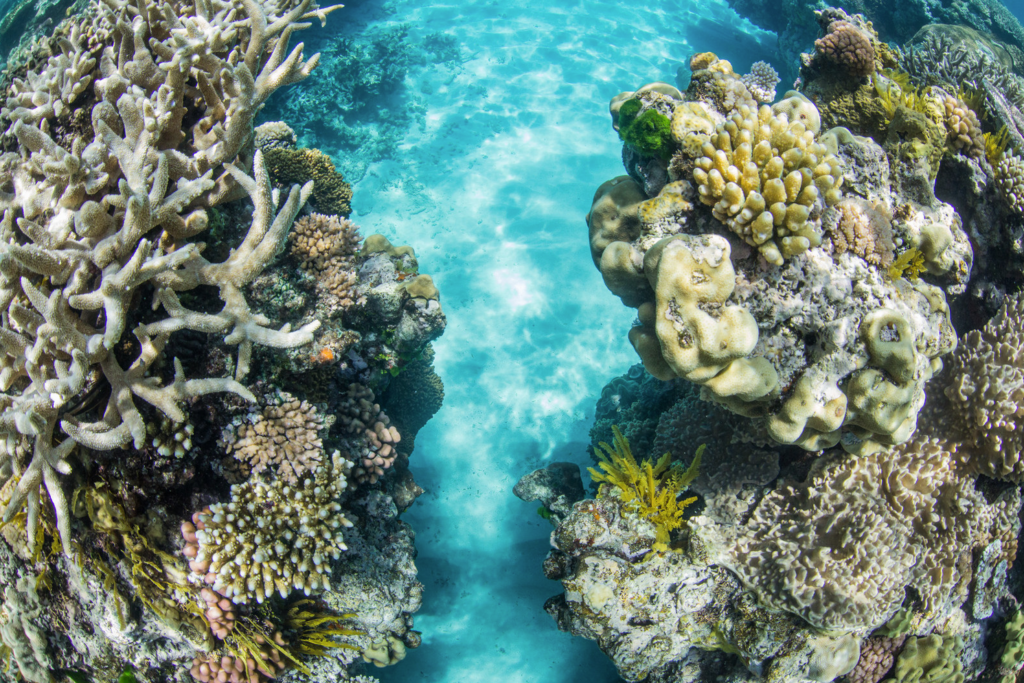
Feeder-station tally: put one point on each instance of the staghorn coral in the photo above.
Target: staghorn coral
(856, 226)
(986, 390)
(88, 220)
(849, 47)
(331, 194)
(272, 537)
(22, 634)
(284, 436)
(763, 176)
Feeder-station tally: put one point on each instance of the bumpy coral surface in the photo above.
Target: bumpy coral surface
(825, 341)
(763, 176)
(987, 392)
(149, 302)
(273, 538)
(848, 46)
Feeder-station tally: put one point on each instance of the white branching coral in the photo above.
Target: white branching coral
(95, 220)
(273, 537)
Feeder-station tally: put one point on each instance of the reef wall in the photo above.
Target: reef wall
(211, 382)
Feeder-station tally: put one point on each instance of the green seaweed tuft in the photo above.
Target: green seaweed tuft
(649, 133)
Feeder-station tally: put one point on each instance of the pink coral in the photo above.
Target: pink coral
(215, 668)
(849, 47)
(876, 658)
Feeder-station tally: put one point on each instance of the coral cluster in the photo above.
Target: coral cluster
(1010, 182)
(146, 307)
(285, 435)
(273, 538)
(216, 668)
(326, 247)
(909, 517)
(763, 175)
(847, 46)
(885, 549)
(88, 216)
(714, 311)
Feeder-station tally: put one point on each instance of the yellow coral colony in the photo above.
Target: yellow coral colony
(762, 174)
(652, 491)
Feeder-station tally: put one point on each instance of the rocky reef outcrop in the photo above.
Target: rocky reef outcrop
(828, 330)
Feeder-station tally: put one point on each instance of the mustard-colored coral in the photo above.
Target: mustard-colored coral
(910, 264)
(331, 194)
(651, 490)
(763, 175)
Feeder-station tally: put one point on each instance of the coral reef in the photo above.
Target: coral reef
(716, 312)
(858, 509)
(151, 306)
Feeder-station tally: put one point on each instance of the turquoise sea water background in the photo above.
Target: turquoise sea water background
(491, 183)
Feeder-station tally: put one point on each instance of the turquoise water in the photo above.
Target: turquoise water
(491, 185)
